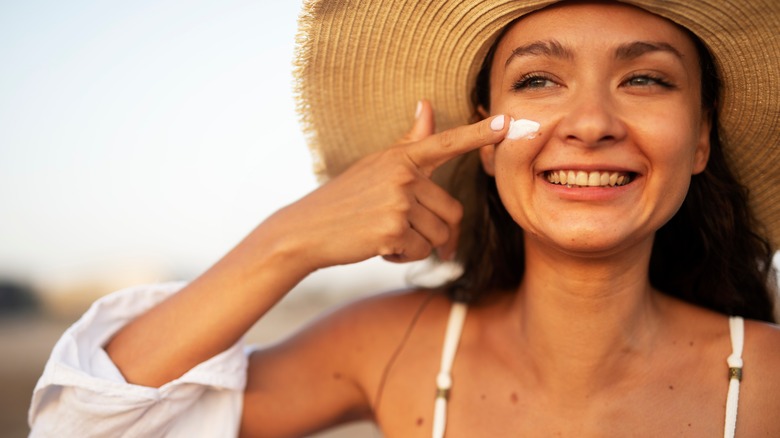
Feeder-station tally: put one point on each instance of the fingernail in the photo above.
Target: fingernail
(418, 110)
(497, 123)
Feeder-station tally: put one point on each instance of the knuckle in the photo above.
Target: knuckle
(398, 204)
(394, 230)
(446, 139)
(484, 131)
(402, 175)
(441, 236)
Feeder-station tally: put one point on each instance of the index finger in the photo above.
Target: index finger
(437, 149)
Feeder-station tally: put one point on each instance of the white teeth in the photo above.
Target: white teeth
(582, 178)
(588, 179)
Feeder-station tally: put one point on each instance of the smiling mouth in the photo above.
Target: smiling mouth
(580, 178)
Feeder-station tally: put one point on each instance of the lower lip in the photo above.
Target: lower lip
(589, 193)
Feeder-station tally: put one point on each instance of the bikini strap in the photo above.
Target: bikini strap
(737, 329)
(444, 378)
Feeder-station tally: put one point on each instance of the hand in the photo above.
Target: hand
(386, 204)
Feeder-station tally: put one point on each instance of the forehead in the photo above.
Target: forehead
(595, 24)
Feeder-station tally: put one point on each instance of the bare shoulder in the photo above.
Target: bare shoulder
(329, 371)
(760, 398)
(759, 394)
(386, 315)
(364, 333)
(366, 325)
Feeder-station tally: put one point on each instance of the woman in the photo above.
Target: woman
(599, 295)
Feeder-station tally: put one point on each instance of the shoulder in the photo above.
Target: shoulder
(760, 402)
(384, 318)
(758, 395)
(331, 370)
(364, 333)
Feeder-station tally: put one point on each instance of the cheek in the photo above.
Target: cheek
(514, 172)
(670, 142)
(515, 157)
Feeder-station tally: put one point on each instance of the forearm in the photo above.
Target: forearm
(211, 313)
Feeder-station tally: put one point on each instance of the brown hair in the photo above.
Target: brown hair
(712, 253)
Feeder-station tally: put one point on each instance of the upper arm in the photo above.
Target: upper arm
(328, 372)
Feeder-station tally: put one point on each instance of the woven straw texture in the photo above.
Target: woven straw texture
(361, 66)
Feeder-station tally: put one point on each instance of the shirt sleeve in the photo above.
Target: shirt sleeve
(82, 393)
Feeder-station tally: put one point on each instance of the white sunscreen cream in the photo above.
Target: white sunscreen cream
(522, 128)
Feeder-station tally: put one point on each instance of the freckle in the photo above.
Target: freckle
(513, 398)
(671, 387)
(689, 424)
(337, 376)
(482, 397)
(419, 421)
(690, 343)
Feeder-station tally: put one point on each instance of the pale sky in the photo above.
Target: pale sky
(143, 136)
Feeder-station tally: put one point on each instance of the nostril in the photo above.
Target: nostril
(604, 139)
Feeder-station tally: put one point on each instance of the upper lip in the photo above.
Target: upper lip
(589, 168)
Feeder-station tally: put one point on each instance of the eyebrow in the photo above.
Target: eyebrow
(548, 48)
(624, 52)
(636, 49)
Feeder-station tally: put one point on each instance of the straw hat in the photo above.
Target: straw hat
(361, 67)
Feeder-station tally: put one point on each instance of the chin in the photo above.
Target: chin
(592, 243)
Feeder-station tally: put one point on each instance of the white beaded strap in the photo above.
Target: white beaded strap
(444, 379)
(737, 328)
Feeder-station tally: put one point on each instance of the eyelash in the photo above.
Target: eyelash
(652, 78)
(527, 80)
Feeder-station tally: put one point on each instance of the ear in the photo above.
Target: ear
(702, 153)
(487, 153)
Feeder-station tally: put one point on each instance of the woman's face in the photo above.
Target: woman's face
(617, 92)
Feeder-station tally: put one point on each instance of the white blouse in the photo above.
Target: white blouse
(82, 393)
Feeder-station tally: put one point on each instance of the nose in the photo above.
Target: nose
(591, 119)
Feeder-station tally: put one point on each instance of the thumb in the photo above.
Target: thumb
(424, 124)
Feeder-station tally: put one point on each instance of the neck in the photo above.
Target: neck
(585, 320)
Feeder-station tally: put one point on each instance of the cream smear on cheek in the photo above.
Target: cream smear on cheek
(522, 128)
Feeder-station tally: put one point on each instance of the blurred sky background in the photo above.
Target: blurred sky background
(139, 141)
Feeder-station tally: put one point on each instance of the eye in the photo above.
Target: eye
(647, 80)
(533, 81)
